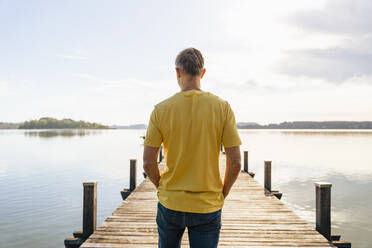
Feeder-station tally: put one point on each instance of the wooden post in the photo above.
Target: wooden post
(132, 179)
(73, 242)
(267, 181)
(89, 209)
(78, 234)
(323, 208)
(222, 149)
(342, 244)
(246, 161)
(160, 154)
(133, 174)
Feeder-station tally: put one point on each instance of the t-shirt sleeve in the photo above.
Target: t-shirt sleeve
(153, 137)
(230, 136)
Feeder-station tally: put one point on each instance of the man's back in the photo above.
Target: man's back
(192, 124)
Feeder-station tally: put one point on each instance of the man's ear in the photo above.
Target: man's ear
(178, 72)
(203, 72)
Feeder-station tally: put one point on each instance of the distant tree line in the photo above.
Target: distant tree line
(52, 123)
(6, 125)
(309, 125)
(134, 126)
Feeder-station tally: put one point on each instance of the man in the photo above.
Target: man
(191, 124)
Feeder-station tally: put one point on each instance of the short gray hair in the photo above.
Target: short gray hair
(191, 61)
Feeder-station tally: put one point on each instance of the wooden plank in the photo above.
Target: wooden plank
(249, 219)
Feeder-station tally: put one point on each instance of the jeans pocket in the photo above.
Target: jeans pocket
(169, 218)
(160, 216)
(217, 220)
(207, 222)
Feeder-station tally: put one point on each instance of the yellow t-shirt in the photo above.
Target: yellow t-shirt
(192, 125)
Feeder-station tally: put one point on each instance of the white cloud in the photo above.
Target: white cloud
(337, 17)
(335, 64)
(71, 57)
(272, 60)
(78, 54)
(288, 98)
(108, 100)
(4, 88)
(347, 24)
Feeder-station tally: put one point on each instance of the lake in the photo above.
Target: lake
(41, 176)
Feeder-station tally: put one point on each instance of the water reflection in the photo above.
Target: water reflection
(61, 133)
(43, 180)
(351, 213)
(328, 132)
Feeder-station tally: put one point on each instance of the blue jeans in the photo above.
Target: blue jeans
(203, 229)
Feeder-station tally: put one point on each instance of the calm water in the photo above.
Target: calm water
(41, 175)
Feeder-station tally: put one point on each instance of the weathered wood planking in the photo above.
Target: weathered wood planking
(249, 219)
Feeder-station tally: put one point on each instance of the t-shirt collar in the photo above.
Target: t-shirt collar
(191, 92)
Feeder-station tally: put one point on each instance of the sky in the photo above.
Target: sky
(112, 61)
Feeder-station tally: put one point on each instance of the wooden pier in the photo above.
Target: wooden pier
(252, 216)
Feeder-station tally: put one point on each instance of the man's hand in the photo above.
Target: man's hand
(233, 166)
(150, 165)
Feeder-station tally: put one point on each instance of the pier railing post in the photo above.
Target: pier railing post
(222, 149)
(246, 161)
(132, 179)
(246, 164)
(267, 180)
(89, 209)
(133, 174)
(160, 154)
(323, 208)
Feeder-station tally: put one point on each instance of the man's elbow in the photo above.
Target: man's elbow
(148, 165)
(236, 166)
(233, 158)
(149, 157)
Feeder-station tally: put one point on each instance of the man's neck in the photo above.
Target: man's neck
(191, 85)
(190, 88)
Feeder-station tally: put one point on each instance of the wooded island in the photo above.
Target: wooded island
(52, 123)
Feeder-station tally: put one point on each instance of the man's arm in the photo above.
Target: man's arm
(150, 165)
(233, 166)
